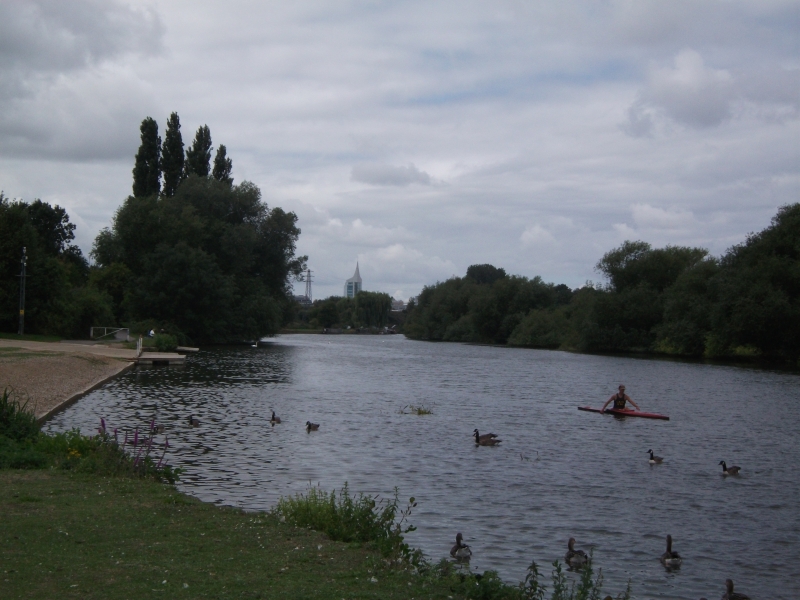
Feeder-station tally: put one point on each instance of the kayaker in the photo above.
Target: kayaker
(619, 399)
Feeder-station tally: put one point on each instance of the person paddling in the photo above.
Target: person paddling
(619, 399)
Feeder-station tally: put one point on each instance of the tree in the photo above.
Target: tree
(147, 169)
(215, 261)
(223, 166)
(485, 273)
(172, 158)
(198, 156)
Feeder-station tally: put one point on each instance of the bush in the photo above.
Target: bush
(165, 342)
(347, 518)
(16, 422)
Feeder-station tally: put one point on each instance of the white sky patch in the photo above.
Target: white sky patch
(536, 236)
(646, 216)
(389, 175)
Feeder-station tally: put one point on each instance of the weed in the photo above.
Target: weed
(363, 519)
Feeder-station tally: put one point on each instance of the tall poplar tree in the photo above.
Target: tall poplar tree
(198, 156)
(172, 158)
(223, 166)
(147, 169)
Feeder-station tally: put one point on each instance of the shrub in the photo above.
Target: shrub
(347, 518)
(16, 422)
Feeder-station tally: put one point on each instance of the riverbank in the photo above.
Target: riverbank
(51, 375)
(83, 536)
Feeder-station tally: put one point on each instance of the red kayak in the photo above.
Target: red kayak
(624, 412)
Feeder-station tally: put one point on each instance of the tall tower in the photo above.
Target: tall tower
(353, 285)
(308, 284)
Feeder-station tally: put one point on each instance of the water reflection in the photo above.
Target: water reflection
(559, 473)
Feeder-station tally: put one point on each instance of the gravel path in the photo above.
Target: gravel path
(51, 375)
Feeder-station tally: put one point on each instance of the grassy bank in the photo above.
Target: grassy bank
(86, 536)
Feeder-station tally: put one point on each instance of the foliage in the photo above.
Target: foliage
(60, 300)
(223, 166)
(349, 518)
(24, 446)
(213, 261)
(147, 168)
(172, 158)
(198, 155)
(487, 274)
(165, 342)
(372, 308)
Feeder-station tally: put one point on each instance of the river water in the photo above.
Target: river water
(558, 473)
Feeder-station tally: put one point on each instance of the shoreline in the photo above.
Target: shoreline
(50, 376)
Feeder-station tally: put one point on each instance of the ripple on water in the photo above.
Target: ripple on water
(586, 475)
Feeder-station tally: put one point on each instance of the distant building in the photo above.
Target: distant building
(303, 300)
(353, 285)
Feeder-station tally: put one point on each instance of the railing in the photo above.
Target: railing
(121, 334)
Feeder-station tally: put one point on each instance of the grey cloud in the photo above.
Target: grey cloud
(389, 175)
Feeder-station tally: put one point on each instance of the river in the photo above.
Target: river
(558, 473)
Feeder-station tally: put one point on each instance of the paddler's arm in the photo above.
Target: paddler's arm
(628, 398)
(609, 401)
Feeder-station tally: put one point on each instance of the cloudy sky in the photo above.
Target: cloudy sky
(419, 138)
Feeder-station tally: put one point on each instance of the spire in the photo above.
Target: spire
(357, 275)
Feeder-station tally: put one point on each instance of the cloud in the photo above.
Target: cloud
(389, 175)
(689, 93)
(646, 216)
(399, 263)
(536, 235)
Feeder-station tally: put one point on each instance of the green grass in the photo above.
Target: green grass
(71, 535)
(30, 337)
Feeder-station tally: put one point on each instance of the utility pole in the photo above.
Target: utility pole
(24, 262)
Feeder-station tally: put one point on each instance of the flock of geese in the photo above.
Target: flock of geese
(575, 559)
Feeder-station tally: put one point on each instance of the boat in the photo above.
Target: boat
(624, 412)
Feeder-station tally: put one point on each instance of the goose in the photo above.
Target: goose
(486, 441)
(730, 594)
(311, 426)
(274, 419)
(159, 429)
(460, 550)
(193, 422)
(485, 436)
(670, 559)
(655, 460)
(726, 470)
(575, 558)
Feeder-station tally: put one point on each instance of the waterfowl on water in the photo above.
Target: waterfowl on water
(193, 422)
(486, 441)
(730, 594)
(311, 426)
(274, 419)
(575, 558)
(670, 559)
(726, 470)
(159, 429)
(655, 460)
(485, 436)
(460, 550)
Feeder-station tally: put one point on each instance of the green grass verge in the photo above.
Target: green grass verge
(72, 535)
(30, 337)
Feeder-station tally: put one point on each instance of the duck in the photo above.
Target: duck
(159, 429)
(460, 550)
(575, 558)
(730, 594)
(655, 460)
(671, 559)
(274, 419)
(311, 426)
(726, 470)
(193, 422)
(485, 436)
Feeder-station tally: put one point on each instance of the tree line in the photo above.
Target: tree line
(673, 300)
(188, 252)
(366, 309)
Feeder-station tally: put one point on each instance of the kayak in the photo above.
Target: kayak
(624, 412)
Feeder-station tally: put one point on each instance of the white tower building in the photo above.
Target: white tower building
(353, 285)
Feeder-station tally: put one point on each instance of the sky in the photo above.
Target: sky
(418, 138)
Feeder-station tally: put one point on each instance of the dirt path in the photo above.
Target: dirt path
(49, 376)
